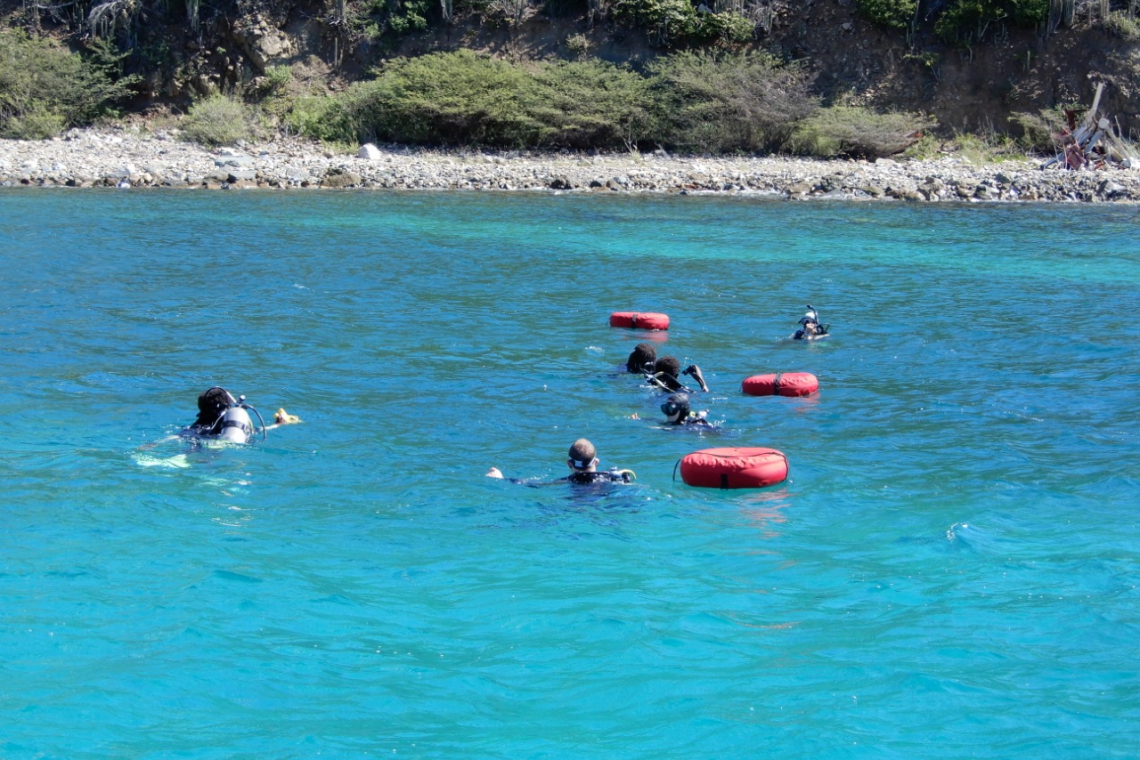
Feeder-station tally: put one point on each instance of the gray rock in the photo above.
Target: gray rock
(1110, 189)
(340, 178)
(369, 152)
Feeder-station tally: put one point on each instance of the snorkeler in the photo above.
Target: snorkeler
(666, 375)
(810, 328)
(583, 464)
(677, 412)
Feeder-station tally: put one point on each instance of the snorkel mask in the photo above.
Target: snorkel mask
(676, 407)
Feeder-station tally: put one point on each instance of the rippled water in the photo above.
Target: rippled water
(950, 572)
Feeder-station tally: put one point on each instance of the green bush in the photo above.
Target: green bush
(1040, 131)
(38, 122)
(970, 19)
(893, 14)
(218, 120)
(44, 88)
(729, 102)
(857, 132)
(455, 98)
(1123, 26)
(591, 104)
(671, 23)
(668, 22)
(413, 19)
(728, 26)
(322, 118)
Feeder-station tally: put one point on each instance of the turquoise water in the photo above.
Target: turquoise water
(950, 572)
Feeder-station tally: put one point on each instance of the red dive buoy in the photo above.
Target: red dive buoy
(641, 320)
(782, 384)
(734, 468)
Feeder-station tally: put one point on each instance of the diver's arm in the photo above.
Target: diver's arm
(159, 442)
(695, 371)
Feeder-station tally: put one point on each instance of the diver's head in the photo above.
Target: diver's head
(668, 369)
(641, 358)
(211, 404)
(676, 408)
(583, 456)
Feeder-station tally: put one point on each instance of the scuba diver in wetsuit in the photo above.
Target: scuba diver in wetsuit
(677, 412)
(583, 463)
(666, 375)
(226, 418)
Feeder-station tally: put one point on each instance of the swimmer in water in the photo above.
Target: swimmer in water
(223, 417)
(667, 372)
(641, 359)
(810, 328)
(677, 412)
(583, 464)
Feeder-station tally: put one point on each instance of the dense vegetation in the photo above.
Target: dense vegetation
(45, 89)
(705, 102)
(708, 87)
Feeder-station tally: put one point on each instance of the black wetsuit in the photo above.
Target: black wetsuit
(666, 382)
(581, 478)
(692, 421)
(587, 478)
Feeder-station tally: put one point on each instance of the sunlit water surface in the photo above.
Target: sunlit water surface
(950, 572)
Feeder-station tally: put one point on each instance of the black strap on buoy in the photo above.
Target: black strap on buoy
(675, 470)
(724, 480)
(633, 320)
(776, 384)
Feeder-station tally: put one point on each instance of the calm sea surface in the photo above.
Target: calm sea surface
(952, 570)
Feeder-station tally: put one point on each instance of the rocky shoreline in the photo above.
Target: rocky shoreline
(136, 159)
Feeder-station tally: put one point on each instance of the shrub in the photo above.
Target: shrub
(728, 26)
(44, 88)
(591, 104)
(445, 98)
(37, 122)
(413, 19)
(218, 120)
(577, 44)
(322, 118)
(1123, 26)
(969, 19)
(893, 14)
(730, 102)
(857, 132)
(1040, 131)
(668, 22)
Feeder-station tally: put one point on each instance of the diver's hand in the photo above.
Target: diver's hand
(494, 472)
(695, 372)
(284, 418)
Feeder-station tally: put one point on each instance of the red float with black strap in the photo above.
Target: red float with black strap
(781, 384)
(640, 320)
(737, 467)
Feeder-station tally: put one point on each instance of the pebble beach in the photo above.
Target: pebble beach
(138, 159)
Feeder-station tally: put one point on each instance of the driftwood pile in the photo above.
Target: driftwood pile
(1093, 144)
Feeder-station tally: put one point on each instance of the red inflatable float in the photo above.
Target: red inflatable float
(782, 384)
(734, 468)
(641, 320)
